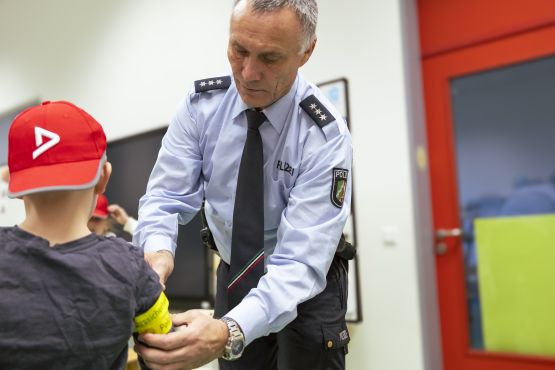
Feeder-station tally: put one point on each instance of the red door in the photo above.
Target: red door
(490, 122)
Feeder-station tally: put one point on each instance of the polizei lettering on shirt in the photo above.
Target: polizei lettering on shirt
(284, 166)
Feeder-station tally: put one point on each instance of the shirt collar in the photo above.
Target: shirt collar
(276, 113)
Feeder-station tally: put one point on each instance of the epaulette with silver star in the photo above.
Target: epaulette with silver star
(212, 84)
(317, 111)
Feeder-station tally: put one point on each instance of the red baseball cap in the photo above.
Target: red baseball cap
(54, 146)
(101, 209)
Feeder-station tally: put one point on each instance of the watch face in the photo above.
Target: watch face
(237, 347)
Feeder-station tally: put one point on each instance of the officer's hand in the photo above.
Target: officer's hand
(118, 213)
(197, 340)
(162, 263)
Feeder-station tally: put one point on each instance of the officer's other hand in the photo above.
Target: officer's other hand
(118, 213)
(162, 263)
(197, 340)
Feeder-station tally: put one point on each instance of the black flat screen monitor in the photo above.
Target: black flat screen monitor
(132, 160)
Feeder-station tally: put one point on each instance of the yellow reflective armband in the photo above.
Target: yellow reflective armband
(157, 319)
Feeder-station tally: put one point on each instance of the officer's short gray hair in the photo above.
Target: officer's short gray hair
(306, 10)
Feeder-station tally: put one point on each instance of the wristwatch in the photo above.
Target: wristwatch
(235, 342)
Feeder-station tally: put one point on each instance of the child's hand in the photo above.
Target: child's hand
(118, 214)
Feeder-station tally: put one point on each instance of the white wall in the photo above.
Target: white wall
(129, 62)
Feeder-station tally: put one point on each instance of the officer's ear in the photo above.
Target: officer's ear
(308, 52)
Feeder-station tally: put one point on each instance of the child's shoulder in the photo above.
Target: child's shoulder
(120, 251)
(5, 232)
(5, 229)
(120, 245)
(14, 234)
(122, 256)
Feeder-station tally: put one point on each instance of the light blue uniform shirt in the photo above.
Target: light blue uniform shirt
(200, 157)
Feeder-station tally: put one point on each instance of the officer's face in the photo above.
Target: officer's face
(264, 53)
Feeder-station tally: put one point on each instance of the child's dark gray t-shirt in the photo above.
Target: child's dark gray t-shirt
(70, 306)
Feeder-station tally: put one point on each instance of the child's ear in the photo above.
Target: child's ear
(5, 174)
(100, 186)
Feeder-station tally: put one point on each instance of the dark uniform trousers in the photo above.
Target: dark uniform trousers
(316, 339)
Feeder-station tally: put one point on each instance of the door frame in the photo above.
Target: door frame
(437, 71)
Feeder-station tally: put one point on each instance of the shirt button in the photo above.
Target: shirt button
(330, 344)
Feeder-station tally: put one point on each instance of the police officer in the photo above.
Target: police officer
(272, 159)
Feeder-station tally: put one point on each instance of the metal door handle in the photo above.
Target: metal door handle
(447, 233)
(441, 234)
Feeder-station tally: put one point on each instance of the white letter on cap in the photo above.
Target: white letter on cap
(39, 133)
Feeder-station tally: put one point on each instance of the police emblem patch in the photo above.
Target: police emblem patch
(339, 186)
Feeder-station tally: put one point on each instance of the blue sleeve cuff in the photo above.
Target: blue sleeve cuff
(158, 242)
(251, 318)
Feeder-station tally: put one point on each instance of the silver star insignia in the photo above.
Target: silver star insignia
(218, 82)
(312, 106)
(318, 111)
(203, 84)
(210, 82)
(323, 117)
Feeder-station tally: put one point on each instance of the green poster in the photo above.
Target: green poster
(516, 277)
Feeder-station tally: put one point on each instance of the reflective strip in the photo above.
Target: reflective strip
(157, 319)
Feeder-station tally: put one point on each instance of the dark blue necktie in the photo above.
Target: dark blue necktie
(247, 239)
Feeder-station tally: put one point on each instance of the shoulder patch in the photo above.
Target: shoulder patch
(339, 186)
(317, 111)
(214, 83)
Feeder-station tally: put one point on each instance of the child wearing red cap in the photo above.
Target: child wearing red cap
(69, 297)
(103, 213)
(99, 222)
